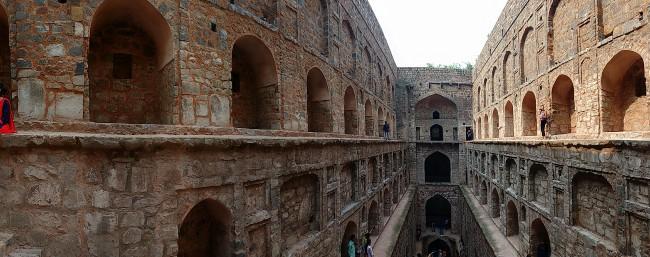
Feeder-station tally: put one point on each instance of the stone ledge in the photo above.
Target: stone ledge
(148, 141)
(603, 143)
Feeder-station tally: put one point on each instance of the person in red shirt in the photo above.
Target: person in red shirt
(6, 115)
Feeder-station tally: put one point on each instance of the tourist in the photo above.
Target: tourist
(470, 134)
(352, 248)
(543, 119)
(7, 118)
(386, 130)
(368, 247)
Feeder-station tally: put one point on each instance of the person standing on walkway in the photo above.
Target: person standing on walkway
(386, 130)
(6, 115)
(352, 248)
(368, 247)
(543, 119)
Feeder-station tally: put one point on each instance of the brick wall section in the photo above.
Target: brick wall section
(592, 199)
(87, 195)
(474, 239)
(535, 44)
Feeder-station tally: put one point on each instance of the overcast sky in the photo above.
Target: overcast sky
(436, 31)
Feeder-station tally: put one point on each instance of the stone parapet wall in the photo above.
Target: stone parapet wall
(75, 194)
(587, 197)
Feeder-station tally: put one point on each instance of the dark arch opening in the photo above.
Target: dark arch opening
(529, 115)
(438, 213)
(563, 106)
(484, 197)
(439, 246)
(255, 102)
(539, 241)
(130, 68)
(437, 168)
(206, 231)
(437, 133)
(350, 112)
(369, 119)
(624, 94)
(350, 234)
(373, 218)
(319, 115)
(509, 120)
(512, 220)
(435, 115)
(496, 204)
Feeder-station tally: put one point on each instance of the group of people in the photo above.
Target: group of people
(365, 249)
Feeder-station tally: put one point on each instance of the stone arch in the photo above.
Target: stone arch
(142, 62)
(395, 192)
(299, 208)
(439, 245)
(507, 72)
(486, 126)
(349, 184)
(484, 193)
(509, 120)
(438, 212)
(446, 108)
(206, 231)
(319, 18)
(527, 62)
(561, 21)
(373, 218)
(512, 219)
(494, 167)
(380, 121)
(436, 132)
(540, 244)
(478, 99)
(319, 114)
(435, 115)
(485, 92)
(529, 115)
(437, 168)
(369, 118)
(495, 123)
(563, 106)
(594, 205)
(479, 128)
(373, 172)
(511, 172)
(523, 213)
(350, 234)
(255, 103)
(496, 204)
(387, 202)
(624, 94)
(350, 112)
(349, 49)
(493, 92)
(538, 185)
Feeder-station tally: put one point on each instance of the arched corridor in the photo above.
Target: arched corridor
(350, 112)
(206, 231)
(319, 113)
(563, 106)
(540, 244)
(438, 213)
(437, 168)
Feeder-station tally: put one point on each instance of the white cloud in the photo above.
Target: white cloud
(436, 31)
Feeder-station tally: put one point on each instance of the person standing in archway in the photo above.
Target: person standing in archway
(7, 117)
(368, 247)
(543, 119)
(386, 130)
(352, 248)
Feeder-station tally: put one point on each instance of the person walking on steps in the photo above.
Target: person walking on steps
(6, 115)
(386, 130)
(352, 248)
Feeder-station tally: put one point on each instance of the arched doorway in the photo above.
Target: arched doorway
(349, 234)
(437, 133)
(484, 191)
(563, 106)
(130, 81)
(512, 219)
(380, 121)
(438, 213)
(350, 112)
(496, 204)
(319, 115)
(624, 94)
(5, 53)
(540, 245)
(495, 123)
(529, 115)
(255, 102)
(439, 246)
(373, 218)
(509, 120)
(539, 185)
(369, 119)
(206, 231)
(437, 168)
(388, 204)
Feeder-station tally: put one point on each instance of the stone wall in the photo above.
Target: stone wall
(59, 74)
(588, 198)
(474, 240)
(583, 61)
(73, 194)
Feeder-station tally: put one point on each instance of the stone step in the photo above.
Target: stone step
(32, 252)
